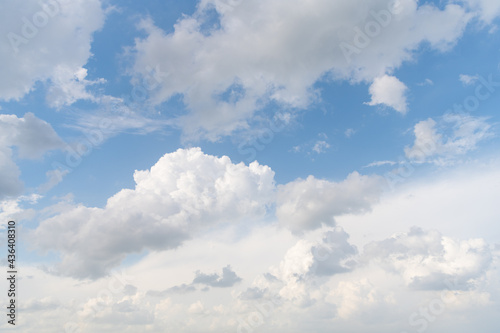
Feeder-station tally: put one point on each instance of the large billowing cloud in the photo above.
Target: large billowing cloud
(186, 192)
(47, 41)
(183, 193)
(32, 137)
(275, 51)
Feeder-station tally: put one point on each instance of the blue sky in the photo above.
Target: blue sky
(195, 160)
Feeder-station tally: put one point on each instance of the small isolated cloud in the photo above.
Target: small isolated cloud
(320, 147)
(379, 163)
(468, 80)
(431, 138)
(426, 82)
(54, 177)
(388, 90)
(228, 278)
(349, 132)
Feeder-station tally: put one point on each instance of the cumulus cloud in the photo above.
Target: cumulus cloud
(305, 265)
(388, 90)
(228, 278)
(434, 139)
(226, 74)
(32, 138)
(184, 192)
(47, 41)
(430, 261)
(487, 10)
(307, 204)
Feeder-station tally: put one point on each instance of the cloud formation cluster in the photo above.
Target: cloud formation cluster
(269, 51)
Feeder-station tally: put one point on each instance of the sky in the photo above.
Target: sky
(251, 166)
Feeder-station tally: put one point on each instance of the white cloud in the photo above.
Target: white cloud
(47, 41)
(426, 82)
(305, 283)
(468, 80)
(488, 10)
(68, 86)
(320, 146)
(183, 193)
(349, 132)
(379, 163)
(253, 57)
(431, 138)
(356, 298)
(429, 261)
(388, 90)
(32, 137)
(310, 203)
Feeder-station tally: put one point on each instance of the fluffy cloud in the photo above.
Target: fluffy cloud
(226, 74)
(310, 203)
(388, 90)
(305, 265)
(32, 137)
(183, 193)
(487, 10)
(427, 260)
(430, 138)
(228, 278)
(47, 41)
